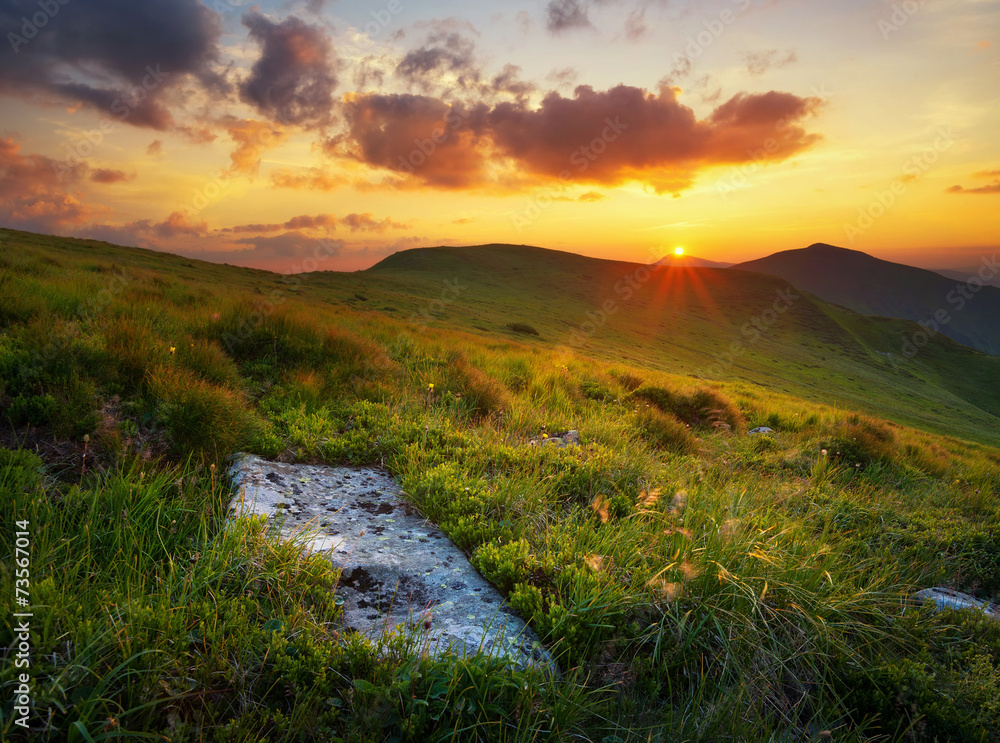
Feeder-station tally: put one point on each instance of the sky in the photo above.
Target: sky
(307, 135)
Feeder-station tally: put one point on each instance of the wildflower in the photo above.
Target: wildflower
(545, 435)
(669, 591)
(430, 386)
(823, 452)
(172, 350)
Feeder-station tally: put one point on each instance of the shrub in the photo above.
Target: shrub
(209, 362)
(504, 565)
(663, 431)
(203, 419)
(483, 394)
(863, 441)
(703, 407)
(521, 327)
(37, 410)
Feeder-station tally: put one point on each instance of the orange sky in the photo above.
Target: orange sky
(325, 135)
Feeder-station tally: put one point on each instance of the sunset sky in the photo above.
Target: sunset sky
(304, 134)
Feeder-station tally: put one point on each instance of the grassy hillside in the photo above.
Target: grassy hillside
(694, 581)
(865, 284)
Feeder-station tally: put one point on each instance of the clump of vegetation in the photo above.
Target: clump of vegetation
(860, 442)
(704, 407)
(521, 327)
(664, 431)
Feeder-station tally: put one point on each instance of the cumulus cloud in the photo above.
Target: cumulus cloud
(446, 58)
(293, 80)
(600, 137)
(38, 193)
(412, 134)
(120, 57)
(147, 232)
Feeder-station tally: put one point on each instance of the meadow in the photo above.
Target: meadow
(694, 581)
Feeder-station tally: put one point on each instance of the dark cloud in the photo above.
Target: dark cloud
(37, 193)
(105, 175)
(564, 78)
(758, 63)
(292, 244)
(412, 135)
(564, 15)
(600, 137)
(446, 53)
(293, 80)
(367, 223)
(155, 148)
(121, 57)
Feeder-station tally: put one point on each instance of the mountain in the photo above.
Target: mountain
(701, 322)
(965, 312)
(691, 261)
(964, 274)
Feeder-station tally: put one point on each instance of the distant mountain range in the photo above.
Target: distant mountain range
(961, 306)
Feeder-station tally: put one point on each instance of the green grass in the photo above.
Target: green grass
(694, 582)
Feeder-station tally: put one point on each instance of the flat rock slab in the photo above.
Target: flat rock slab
(397, 569)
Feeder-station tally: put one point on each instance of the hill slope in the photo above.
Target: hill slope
(964, 312)
(709, 323)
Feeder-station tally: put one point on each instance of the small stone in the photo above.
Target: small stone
(761, 429)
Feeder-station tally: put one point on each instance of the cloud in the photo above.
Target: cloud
(993, 187)
(446, 56)
(36, 192)
(250, 137)
(635, 24)
(311, 179)
(104, 175)
(293, 244)
(293, 80)
(758, 63)
(148, 233)
(155, 148)
(591, 196)
(120, 57)
(599, 137)
(365, 222)
(412, 134)
(621, 134)
(565, 15)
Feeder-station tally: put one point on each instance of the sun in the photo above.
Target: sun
(678, 251)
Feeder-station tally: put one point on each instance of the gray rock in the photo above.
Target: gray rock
(946, 598)
(397, 569)
(761, 429)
